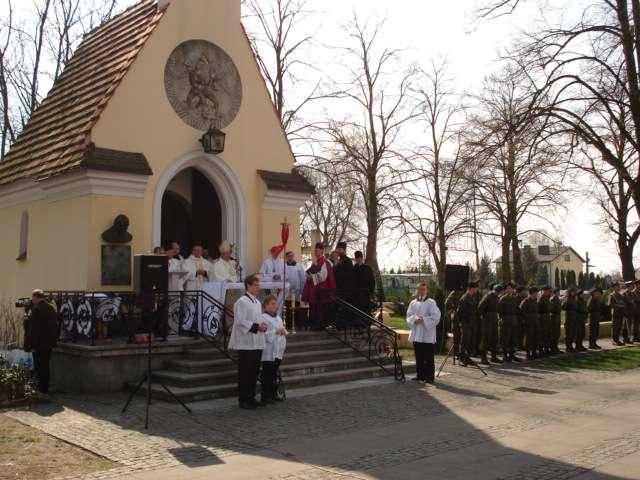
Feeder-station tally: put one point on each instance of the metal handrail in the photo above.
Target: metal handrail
(369, 337)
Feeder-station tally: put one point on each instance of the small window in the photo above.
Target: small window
(567, 258)
(24, 236)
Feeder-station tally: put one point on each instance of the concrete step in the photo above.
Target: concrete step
(190, 365)
(177, 378)
(208, 392)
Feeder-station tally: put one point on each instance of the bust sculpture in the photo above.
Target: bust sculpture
(118, 233)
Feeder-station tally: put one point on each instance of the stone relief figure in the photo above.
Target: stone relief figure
(203, 85)
(203, 79)
(118, 233)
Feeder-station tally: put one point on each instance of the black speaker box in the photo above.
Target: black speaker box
(456, 277)
(150, 273)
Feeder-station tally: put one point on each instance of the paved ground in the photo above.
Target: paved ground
(520, 423)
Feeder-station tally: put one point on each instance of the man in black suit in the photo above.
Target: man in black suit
(364, 284)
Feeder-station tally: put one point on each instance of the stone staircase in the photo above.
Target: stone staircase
(312, 358)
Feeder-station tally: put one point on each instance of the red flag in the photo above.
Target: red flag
(284, 234)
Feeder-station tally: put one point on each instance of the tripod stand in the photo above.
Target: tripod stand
(148, 377)
(450, 354)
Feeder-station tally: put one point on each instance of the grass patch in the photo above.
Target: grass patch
(612, 360)
(29, 453)
(398, 323)
(408, 354)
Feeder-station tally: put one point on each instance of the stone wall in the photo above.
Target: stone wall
(107, 368)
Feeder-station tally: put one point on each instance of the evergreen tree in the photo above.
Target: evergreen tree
(581, 280)
(591, 282)
(571, 278)
(563, 279)
(529, 265)
(485, 275)
(543, 276)
(557, 278)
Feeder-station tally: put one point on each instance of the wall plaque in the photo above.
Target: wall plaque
(203, 85)
(116, 265)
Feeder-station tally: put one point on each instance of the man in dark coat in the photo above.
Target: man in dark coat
(42, 336)
(343, 272)
(364, 284)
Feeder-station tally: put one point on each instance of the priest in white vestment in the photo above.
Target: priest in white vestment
(296, 275)
(272, 268)
(226, 268)
(198, 268)
(177, 274)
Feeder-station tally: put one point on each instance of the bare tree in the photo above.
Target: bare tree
(7, 131)
(279, 35)
(581, 73)
(435, 206)
(35, 50)
(334, 209)
(378, 95)
(516, 170)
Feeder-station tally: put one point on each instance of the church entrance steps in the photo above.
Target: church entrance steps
(210, 392)
(312, 358)
(203, 365)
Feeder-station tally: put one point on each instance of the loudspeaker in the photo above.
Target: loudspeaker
(456, 277)
(150, 273)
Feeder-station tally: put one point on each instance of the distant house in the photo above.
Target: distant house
(560, 257)
(403, 280)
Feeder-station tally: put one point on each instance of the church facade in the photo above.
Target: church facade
(120, 134)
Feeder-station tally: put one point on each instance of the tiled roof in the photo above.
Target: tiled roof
(291, 182)
(57, 137)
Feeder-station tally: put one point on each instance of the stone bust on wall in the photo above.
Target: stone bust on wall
(118, 233)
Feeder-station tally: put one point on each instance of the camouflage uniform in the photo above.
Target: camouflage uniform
(594, 308)
(627, 321)
(570, 307)
(529, 308)
(581, 320)
(509, 309)
(467, 315)
(635, 323)
(488, 312)
(519, 328)
(544, 331)
(555, 306)
(617, 305)
(477, 328)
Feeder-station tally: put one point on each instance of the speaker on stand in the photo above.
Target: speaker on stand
(151, 284)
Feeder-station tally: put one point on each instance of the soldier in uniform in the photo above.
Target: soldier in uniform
(477, 327)
(519, 329)
(451, 305)
(488, 312)
(467, 315)
(617, 305)
(544, 332)
(581, 320)
(529, 308)
(635, 322)
(629, 305)
(594, 308)
(555, 306)
(508, 310)
(570, 307)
